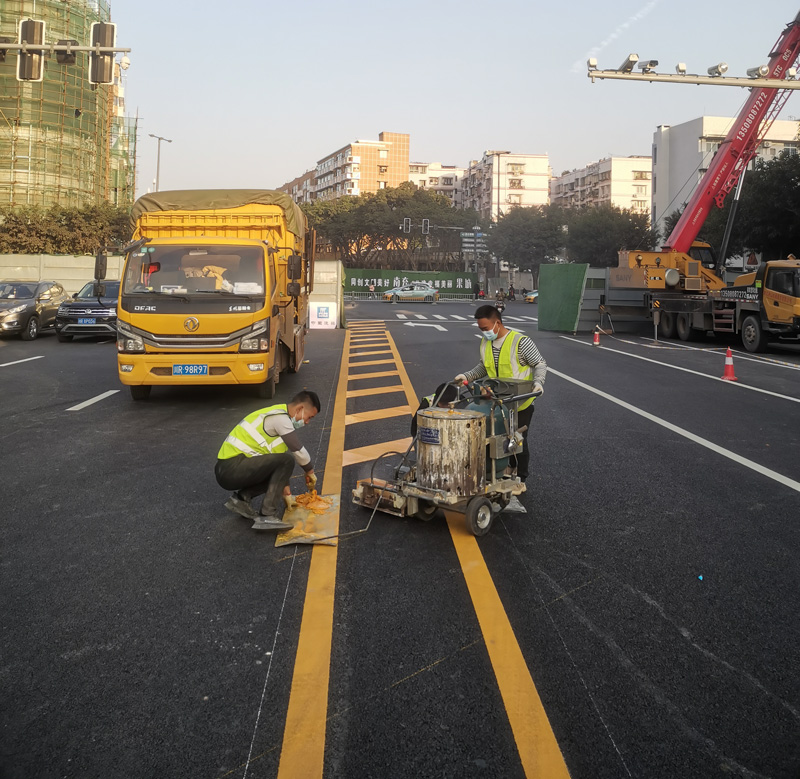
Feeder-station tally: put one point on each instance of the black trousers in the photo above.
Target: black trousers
(265, 474)
(523, 458)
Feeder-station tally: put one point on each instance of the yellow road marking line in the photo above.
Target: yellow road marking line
(381, 413)
(536, 742)
(378, 375)
(303, 750)
(367, 354)
(364, 454)
(369, 362)
(360, 393)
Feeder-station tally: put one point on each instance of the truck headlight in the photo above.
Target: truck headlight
(128, 342)
(257, 340)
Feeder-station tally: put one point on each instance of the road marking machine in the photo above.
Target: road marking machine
(462, 458)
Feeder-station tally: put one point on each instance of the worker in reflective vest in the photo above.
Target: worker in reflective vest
(511, 355)
(446, 393)
(259, 455)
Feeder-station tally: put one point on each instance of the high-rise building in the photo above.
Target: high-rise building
(435, 177)
(501, 180)
(363, 166)
(63, 139)
(682, 152)
(619, 181)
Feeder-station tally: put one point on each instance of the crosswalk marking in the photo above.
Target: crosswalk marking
(456, 316)
(420, 316)
(401, 316)
(439, 316)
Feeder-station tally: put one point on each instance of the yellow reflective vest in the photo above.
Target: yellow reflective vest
(508, 366)
(248, 437)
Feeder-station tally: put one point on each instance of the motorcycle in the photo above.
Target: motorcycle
(500, 306)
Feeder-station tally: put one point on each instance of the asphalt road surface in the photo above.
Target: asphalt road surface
(640, 620)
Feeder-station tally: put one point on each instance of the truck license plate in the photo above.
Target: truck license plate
(190, 370)
(87, 320)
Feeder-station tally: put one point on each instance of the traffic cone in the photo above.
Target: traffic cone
(729, 374)
(596, 341)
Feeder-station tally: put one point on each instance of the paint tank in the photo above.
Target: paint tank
(451, 450)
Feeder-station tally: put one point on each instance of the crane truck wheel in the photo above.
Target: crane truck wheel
(753, 337)
(683, 326)
(667, 325)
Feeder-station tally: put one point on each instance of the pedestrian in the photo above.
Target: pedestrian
(511, 292)
(506, 354)
(524, 292)
(476, 289)
(481, 295)
(372, 292)
(259, 455)
(447, 394)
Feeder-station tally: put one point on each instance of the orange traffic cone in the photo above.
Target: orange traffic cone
(596, 341)
(729, 374)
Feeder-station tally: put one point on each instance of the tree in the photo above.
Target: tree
(597, 234)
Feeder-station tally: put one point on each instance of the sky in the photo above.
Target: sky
(254, 93)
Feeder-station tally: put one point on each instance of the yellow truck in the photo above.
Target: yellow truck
(214, 290)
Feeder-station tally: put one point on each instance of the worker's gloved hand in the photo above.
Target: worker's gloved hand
(460, 379)
(311, 480)
(538, 388)
(289, 501)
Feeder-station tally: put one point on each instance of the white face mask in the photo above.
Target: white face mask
(298, 423)
(489, 335)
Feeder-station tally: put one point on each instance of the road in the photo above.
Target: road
(639, 621)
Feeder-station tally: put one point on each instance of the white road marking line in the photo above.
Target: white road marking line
(425, 324)
(17, 362)
(512, 318)
(420, 316)
(532, 318)
(686, 370)
(462, 318)
(439, 316)
(770, 474)
(95, 399)
(400, 316)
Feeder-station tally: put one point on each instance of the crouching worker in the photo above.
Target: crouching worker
(258, 458)
(449, 394)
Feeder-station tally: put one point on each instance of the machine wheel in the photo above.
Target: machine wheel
(479, 516)
(31, 329)
(266, 389)
(683, 325)
(140, 391)
(753, 336)
(668, 326)
(425, 510)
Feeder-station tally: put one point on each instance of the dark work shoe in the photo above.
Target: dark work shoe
(270, 522)
(239, 506)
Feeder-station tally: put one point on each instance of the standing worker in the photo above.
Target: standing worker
(258, 458)
(508, 355)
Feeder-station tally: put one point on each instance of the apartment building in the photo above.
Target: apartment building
(443, 179)
(502, 180)
(619, 181)
(681, 155)
(363, 166)
(303, 188)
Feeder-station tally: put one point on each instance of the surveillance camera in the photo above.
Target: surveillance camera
(648, 65)
(627, 66)
(762, 71)
(125, 63)
(680, 68)
(791, 73)
(591, 63)
(718, 69)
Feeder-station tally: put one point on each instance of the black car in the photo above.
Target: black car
(86, 314)
(28, 307)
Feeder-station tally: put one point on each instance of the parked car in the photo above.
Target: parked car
(28, 307)
(416, 290)
(532, 296)
(87, 314)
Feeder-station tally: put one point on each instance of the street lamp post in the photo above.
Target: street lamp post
(158, 156)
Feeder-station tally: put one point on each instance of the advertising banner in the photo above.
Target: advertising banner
(323, 315)
(358, 280)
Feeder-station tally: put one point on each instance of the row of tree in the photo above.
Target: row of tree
(59, 230)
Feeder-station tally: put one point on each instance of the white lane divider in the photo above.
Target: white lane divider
(95, 399)
(746, 462)
(17, 362)
(686, 370)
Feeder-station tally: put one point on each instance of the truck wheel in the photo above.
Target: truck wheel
(266, 389)
(683, 326)
(31, 329)
(668, 326)
(140, 391)
(753, 337)
(479, 516)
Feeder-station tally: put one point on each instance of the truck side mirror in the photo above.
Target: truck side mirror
(293, 289)
(100, 266)
(98, 290)
(295, 267)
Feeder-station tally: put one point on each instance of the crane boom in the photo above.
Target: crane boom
(741, 143)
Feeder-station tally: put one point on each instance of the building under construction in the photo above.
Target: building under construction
(62, 140)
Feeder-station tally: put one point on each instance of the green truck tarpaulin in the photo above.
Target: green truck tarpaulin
(210, 199)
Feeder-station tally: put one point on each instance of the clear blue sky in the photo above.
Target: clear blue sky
(253, 93)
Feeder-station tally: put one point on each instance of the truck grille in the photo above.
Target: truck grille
(191, 341)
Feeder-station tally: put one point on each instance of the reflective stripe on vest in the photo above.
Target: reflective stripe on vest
(249, 438)
(508, 364)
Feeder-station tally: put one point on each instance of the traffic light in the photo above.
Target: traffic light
(30, 63)
(426, 226)
(101, 66)
(407, 225)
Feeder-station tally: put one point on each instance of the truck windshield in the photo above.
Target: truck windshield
(187, 269)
